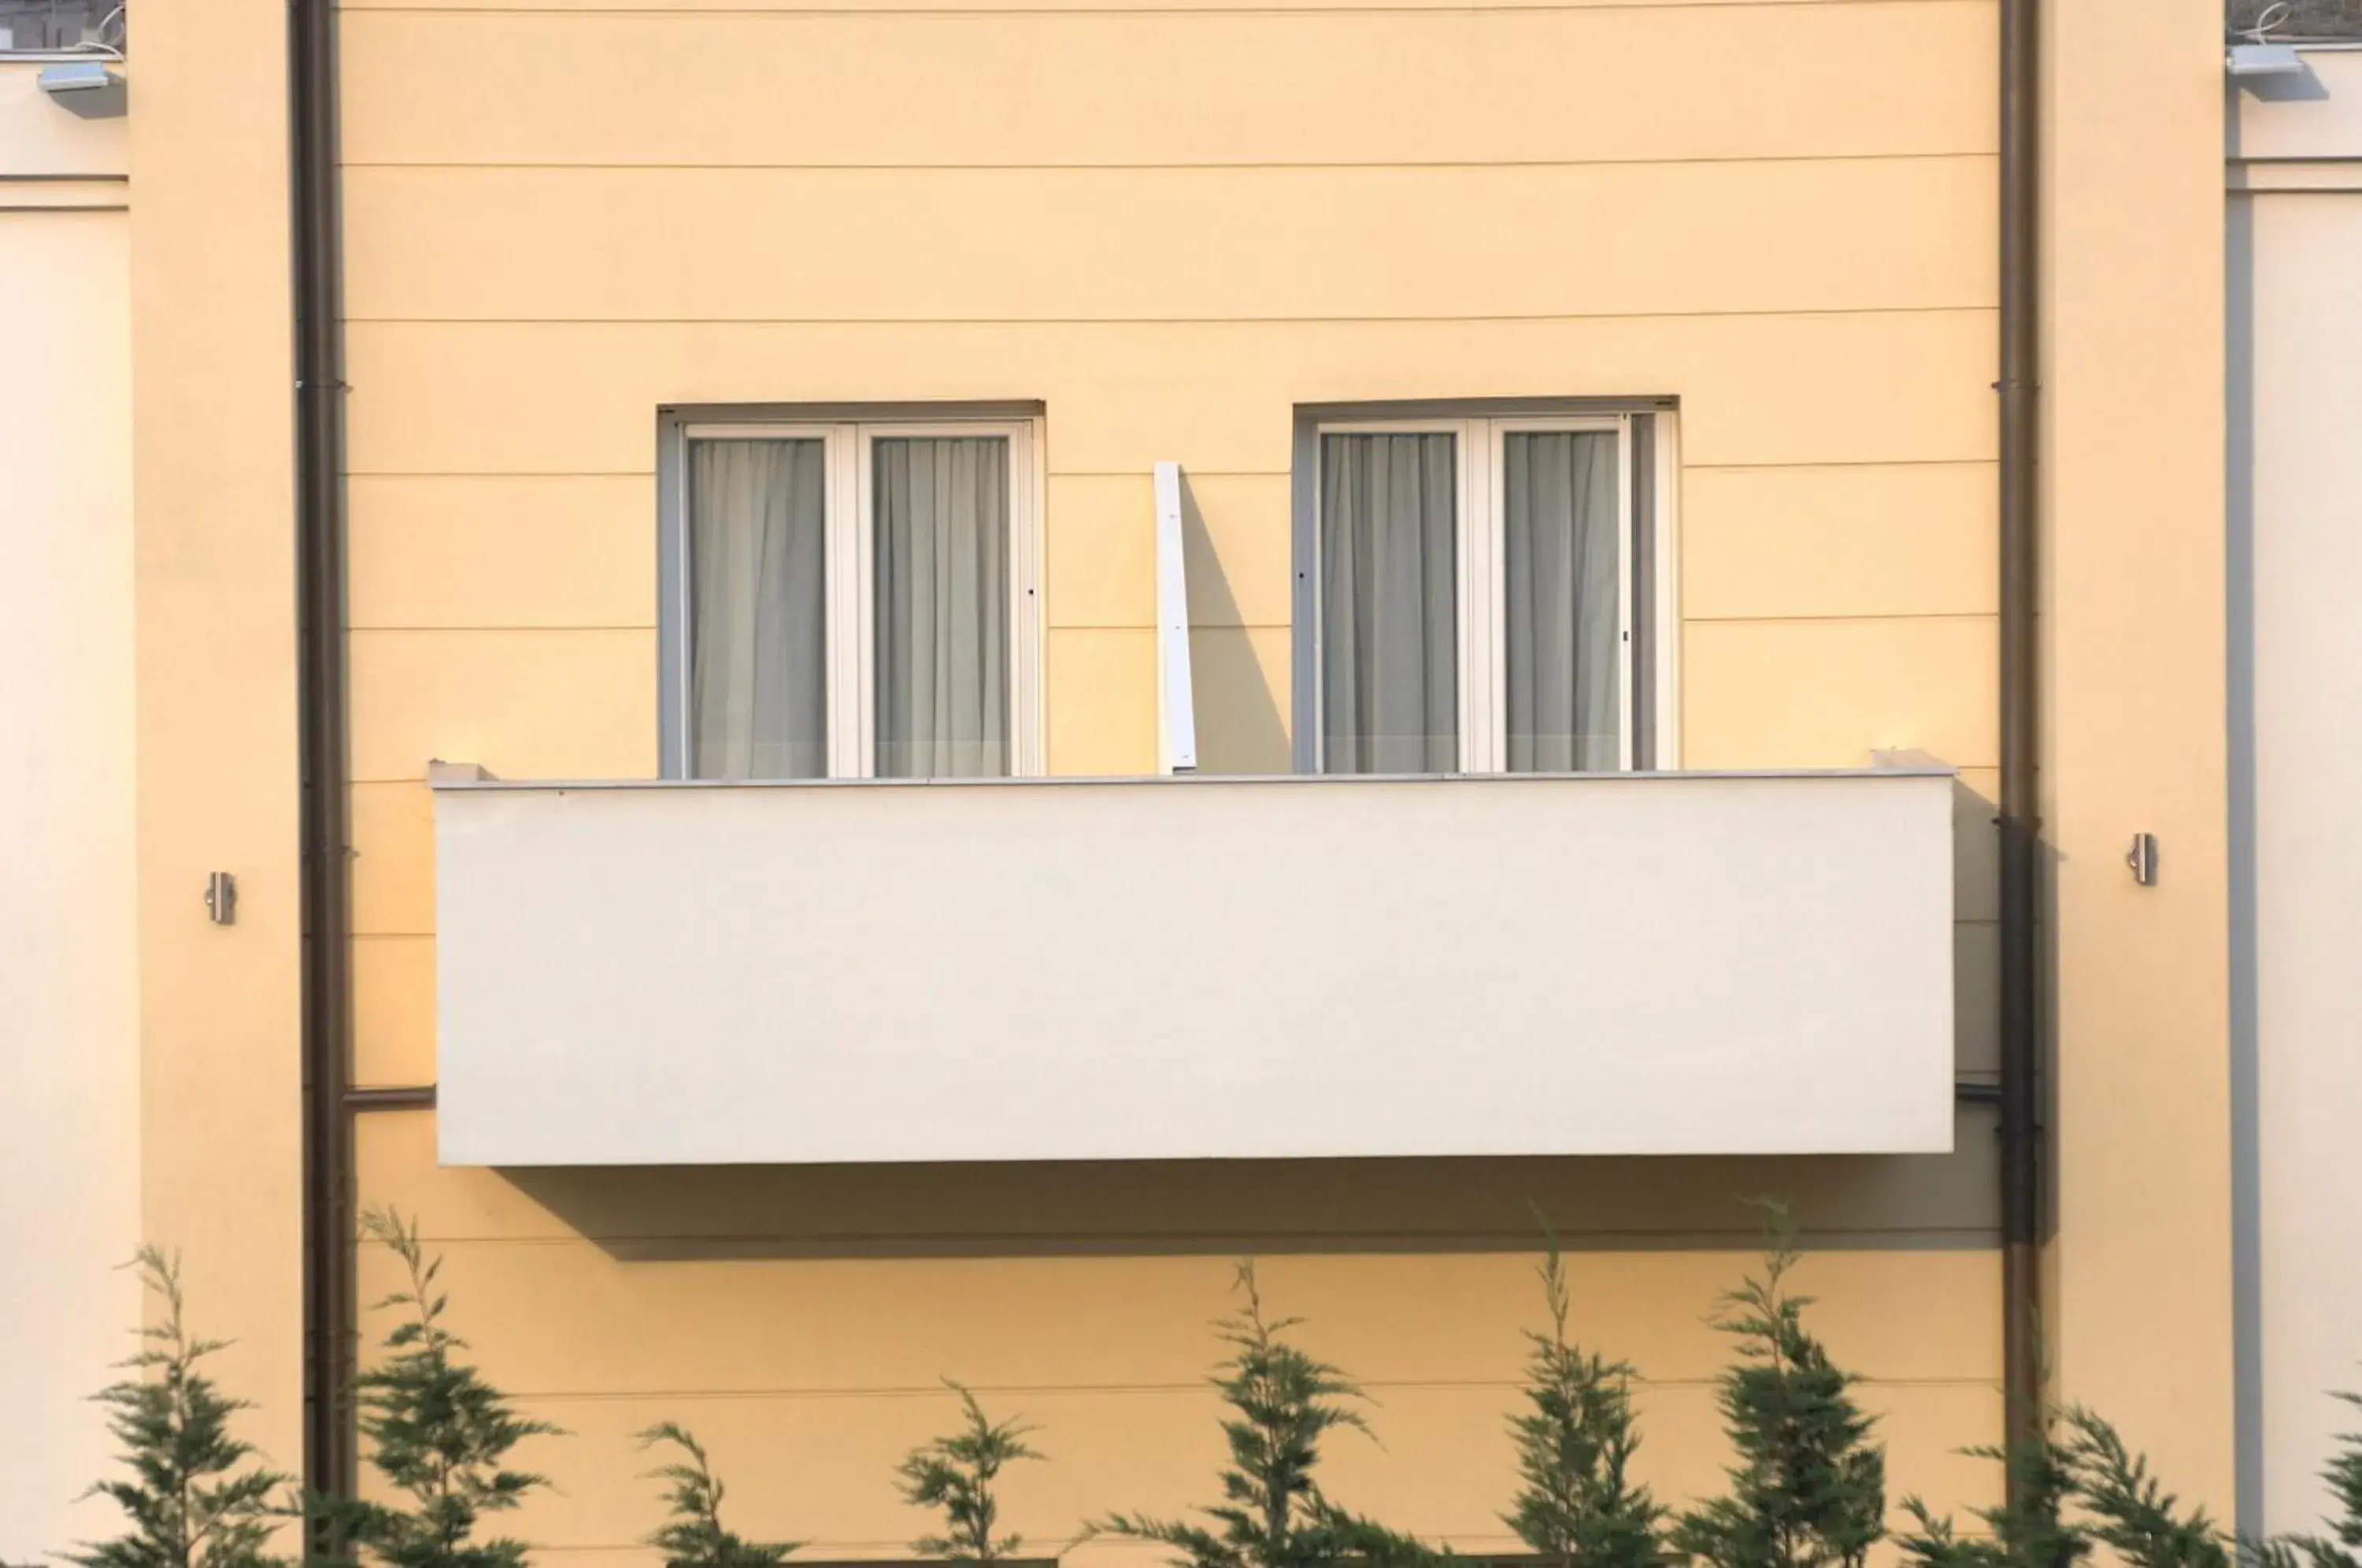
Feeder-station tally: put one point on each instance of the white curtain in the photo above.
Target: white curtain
(940, 564)
(1560, 530)
(758, 663)
(1389, 605)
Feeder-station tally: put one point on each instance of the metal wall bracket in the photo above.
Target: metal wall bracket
(221, 898)
(2141, 859)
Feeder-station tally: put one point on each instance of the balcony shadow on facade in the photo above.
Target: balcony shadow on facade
(652, 1214)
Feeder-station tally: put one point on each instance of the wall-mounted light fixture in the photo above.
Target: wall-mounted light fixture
(2263, 60)
(2141, 859)
(90, 88)
(221, 898)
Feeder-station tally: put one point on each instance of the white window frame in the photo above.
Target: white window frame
(849, 555)
(1480, 471)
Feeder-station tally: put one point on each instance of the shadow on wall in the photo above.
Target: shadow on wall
(1229, 1208)
(1239, 727)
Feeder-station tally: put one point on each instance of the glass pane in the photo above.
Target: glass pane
(758, 629)
(941, 565)
(2297, 20)
(46, 24)
(1560, 527)
(1389, 605)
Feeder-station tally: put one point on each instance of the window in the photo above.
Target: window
(38, 27)
(1480, 594)
(850, 597)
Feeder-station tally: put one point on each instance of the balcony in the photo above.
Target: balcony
(1193, 968)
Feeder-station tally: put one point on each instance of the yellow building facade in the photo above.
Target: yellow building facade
(1201, 235)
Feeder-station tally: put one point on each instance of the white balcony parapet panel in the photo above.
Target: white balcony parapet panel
(1193, 968)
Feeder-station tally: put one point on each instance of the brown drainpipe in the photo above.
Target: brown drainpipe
(327, 897)
(2020, 822)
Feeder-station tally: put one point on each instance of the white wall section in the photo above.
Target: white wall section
(69, 1041)
(2297, 356)
(1195, 967)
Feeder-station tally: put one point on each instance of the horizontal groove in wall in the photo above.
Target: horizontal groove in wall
(1210, 165)
(1194, 1390)
(1056, 473)
(522, 627)
(1839, 619)
(1536, 318)
(1862, 463)
(1098, 625)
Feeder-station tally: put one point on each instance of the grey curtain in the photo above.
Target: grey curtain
(1560, 530)
(759, 662)
(1389, 606)
(940, 564)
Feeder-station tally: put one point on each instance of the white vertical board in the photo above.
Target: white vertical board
(1176, 711)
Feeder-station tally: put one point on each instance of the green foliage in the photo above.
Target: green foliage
(2342, 1547)
(2127, 1509)
(955, 1474)
(1809, 1490)
(694, 1538)
(194, 1499)
(2031, 1529)
(438, 1434)
(1273, 1514)
(1574, 1449)
(2070, 1495)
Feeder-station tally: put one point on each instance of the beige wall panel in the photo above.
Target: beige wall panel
(846, 1326)
(1874, 387)
(1221, 1207)
(1917, 539)
(391, 832)
(502, 552)
(214, 575)
(1240, 677)
(2133, 708)
(1099, 555)
(529, 705)
(1441, 1466)
(41, 141)
(1100, 693)
(1238, 546)
(1167, 244)
(393, 1009)
(1827, 693)
(1163, 86)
